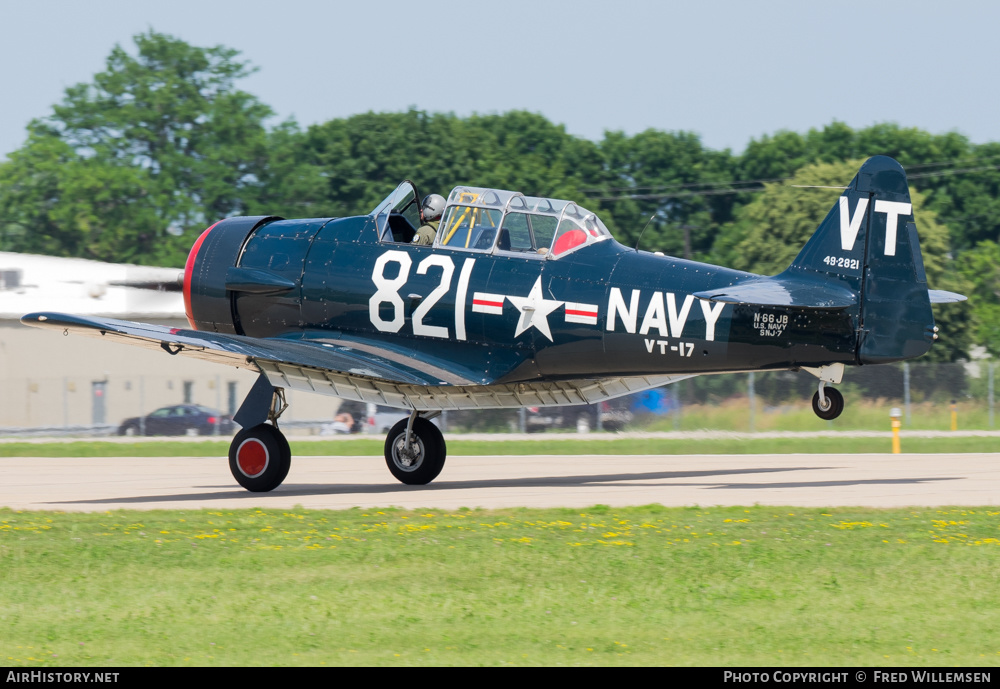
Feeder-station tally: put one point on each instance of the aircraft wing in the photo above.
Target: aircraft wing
(353, 368)
(248, 352)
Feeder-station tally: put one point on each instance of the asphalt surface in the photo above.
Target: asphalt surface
(706, 434)
(874, 480)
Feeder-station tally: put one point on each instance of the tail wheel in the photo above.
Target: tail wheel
(259, 458)
(834, 404)
(422, 461)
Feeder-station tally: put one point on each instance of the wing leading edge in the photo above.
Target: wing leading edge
(248, 352)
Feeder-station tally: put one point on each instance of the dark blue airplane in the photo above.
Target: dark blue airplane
(524, 301)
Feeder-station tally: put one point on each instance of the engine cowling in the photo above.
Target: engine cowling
(209, 305)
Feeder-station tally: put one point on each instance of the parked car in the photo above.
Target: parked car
(179, 419)
(614, 416)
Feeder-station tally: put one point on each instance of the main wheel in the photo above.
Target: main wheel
(259, 458)
(286, 452)
(423, 460)
(834, 404)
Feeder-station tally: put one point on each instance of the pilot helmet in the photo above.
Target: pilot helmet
(432, 207)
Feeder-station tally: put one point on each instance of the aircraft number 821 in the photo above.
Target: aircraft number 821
(387, 291)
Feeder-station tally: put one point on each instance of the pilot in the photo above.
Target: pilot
(430, 214)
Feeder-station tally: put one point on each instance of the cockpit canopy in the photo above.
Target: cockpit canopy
(494, 221)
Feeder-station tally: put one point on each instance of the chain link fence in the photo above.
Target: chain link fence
(930, 396)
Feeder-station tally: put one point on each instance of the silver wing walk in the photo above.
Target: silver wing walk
(354, 371)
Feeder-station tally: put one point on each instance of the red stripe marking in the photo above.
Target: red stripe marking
(189, 270)
(481, 302)
(573, 312)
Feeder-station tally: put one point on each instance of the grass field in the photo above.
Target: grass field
(609, 444)
(646, 585)
(859, 414)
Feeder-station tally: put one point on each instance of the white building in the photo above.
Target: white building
(53, 381)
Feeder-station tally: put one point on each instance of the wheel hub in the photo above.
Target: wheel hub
(252, 457)
(408, 458)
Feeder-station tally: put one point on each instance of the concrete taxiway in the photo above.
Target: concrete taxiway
(873, 480)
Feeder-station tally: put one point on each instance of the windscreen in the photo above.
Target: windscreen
(469, 227)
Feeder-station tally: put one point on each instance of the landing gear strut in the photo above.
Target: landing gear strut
(415, 450)
(828, 403)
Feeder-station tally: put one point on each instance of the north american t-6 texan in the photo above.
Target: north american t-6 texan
(523, 301)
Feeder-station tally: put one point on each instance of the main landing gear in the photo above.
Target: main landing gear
(259, 456)
(415, 450)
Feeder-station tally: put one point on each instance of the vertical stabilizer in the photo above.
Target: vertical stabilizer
(868, 243)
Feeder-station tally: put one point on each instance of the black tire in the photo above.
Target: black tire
(835, 401)
(286, 452)
(431, 452)
(129, 430)
(265, 461)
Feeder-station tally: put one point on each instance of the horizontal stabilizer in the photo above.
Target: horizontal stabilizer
(940, 296)
(783, 290)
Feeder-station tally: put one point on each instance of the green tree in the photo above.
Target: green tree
(160, 139)
(347, 165)
(659, 178)
(981, 269)
(775, 157)
(960, 181)
(966, 193)
(53, 201)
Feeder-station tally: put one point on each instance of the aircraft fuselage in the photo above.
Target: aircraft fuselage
(604, 309)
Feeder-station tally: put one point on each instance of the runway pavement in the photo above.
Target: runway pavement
(876, 480)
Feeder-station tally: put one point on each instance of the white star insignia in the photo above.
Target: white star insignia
(535, 310)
